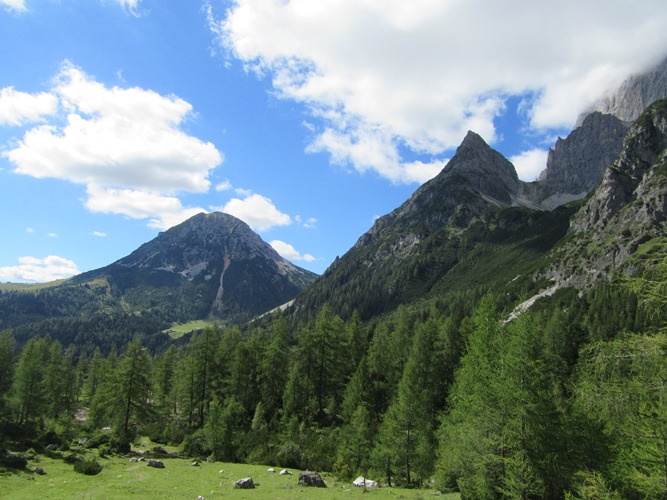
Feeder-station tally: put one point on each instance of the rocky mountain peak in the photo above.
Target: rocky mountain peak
(576, 164)
(634, 95)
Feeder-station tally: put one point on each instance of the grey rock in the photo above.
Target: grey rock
(576, 164)
(244, 484)
(307, 478)
(158, 464)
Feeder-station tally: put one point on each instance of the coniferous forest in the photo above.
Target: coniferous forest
(567, 400)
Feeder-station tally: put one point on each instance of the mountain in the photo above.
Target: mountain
(210, 266)
(634, 95)
(476, 225)
(576, 164)
(625, 218)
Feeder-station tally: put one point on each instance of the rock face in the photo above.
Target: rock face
(308, 478)
(576, 164)
(634, 95)
(628, 207)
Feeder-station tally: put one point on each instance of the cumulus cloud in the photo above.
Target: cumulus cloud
(289, 252)
(98, 234)
(17, 108)
(384, 78)
(162, 211)
(257, 211)
(34, 270)
(529, 164)
(124, 144)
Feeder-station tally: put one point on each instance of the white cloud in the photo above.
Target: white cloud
(289, 252)
(98, 234)
(29, 230)
(52, 235)
(163, 211)
(19, 5)
(223, 186)
(257, 211)
(530, 164)
(17, 108)
(14, 5)
(308, 223)
(386, 76)
(129, 5)
(34, 270)
(124, 144)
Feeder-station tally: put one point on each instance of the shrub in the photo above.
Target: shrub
(196, 445)
(103, 451)
(14, 461)
(89, 467)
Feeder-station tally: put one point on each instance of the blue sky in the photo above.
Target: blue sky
(305, 118)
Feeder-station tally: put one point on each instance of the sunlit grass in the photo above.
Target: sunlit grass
(121, 478)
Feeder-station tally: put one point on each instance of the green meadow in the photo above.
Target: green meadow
(122, 478)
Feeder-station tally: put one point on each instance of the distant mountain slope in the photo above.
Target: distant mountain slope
(210, 266)
(213, 263)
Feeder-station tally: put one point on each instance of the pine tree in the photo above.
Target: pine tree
(406, 436)
(622, 385)
(503, 433)
(6, 370)
(30, 389)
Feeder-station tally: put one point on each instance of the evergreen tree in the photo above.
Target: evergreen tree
(274, 368)
(503, 433)
(30, 389)
(622, 385)
(6, 370)
(406, 436)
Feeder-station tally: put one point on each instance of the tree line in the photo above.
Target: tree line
(568, 400)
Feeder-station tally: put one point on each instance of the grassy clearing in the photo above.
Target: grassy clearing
(28, 287)
(177, 330)
(121, 478)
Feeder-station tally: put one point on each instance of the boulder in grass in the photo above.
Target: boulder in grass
(244, 484)
(158, 464)
(285, 472)
(362, 482)
(307, 478)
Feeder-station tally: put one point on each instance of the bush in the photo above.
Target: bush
(14, 461)
(196, 445)
(290, 455)
(89, 467)
(72, 458)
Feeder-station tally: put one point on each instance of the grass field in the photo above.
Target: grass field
(120, 478)
(177, 330)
